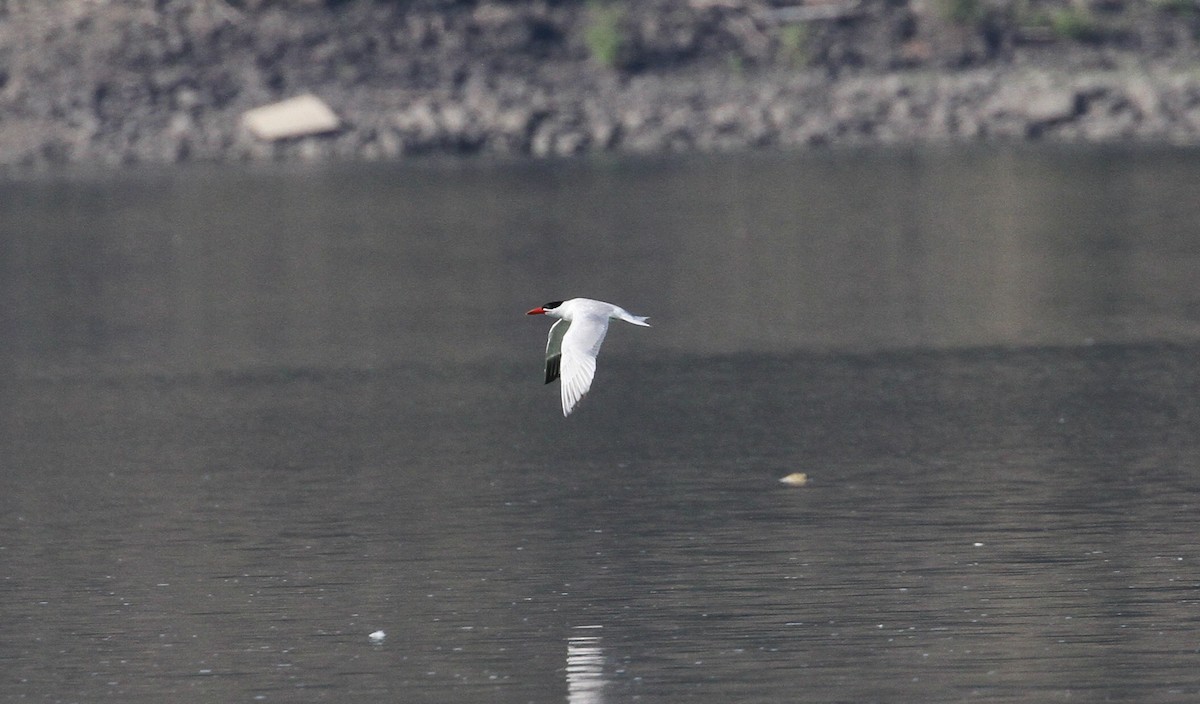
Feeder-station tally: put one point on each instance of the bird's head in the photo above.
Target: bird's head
(551, 309)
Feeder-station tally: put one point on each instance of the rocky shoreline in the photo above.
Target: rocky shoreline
(119, 82)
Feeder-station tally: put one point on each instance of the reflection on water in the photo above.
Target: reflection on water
(585, 666)
(248, 419)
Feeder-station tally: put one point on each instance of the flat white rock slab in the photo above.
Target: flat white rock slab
(294, 117)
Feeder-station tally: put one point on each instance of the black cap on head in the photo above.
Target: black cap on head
(552, 305)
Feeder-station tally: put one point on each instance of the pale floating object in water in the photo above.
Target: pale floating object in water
(795, 479)
(295, 117)
(377, 636)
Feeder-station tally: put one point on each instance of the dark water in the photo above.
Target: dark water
(249, 419)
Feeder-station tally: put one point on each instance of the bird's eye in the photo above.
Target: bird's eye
(552, 305)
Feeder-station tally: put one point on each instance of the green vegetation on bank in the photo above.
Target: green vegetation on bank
(603, 34)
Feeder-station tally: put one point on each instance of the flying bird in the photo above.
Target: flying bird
(575, 340)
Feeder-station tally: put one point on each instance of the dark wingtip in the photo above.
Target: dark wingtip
(552, 365)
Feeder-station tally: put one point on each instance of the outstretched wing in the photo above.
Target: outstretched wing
(554, 349)
(578, 347)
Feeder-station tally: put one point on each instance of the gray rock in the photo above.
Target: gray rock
(1049, 106)
(124, 81)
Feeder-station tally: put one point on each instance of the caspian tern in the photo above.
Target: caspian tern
(575, 340)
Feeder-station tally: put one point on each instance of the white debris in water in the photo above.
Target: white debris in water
(296, 117)
(795, 479)
(377, 636)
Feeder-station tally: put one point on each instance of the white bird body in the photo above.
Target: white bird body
(575, 341)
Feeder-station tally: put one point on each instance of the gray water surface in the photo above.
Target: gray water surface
(250, 418)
